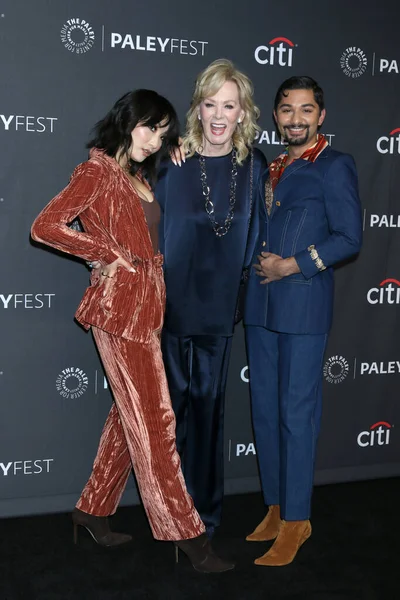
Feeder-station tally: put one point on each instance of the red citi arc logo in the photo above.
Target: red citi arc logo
(391, 144)
(378, 435)
(388, 292)
(279, 51)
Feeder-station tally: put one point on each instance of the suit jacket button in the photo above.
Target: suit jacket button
(264, 243)
(277, 203)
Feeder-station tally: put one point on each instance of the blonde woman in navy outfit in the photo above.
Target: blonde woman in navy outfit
(206, 207)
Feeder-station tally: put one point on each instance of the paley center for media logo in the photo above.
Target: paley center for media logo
(72, 383)
(354, 63)
(336, 369)
(388, 292)
(377, 435)
(244, 374)
(279, 52)
(78, 36)
(389, 144)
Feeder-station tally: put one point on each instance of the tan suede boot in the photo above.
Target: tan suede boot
(292, 535)
(268, 529)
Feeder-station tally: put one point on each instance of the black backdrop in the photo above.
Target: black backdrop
(62, 65)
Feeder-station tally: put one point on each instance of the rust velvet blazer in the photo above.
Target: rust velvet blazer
(114, 224)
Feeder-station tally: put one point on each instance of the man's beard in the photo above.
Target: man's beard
(297, 141)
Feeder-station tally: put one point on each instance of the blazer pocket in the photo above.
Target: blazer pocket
(116, 307)
(127, 291)
(134, 307)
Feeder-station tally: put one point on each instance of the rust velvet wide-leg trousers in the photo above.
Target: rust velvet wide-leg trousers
(140, 432)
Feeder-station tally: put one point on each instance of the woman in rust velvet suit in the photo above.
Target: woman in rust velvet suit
(124, 307)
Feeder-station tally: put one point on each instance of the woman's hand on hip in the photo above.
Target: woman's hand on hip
(108, 272)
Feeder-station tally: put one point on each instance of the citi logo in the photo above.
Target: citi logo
(378, 435)
(388, 292)
(389, 144)
(279, 51)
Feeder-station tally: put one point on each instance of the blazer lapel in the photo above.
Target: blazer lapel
(295, 166)
(290, 170)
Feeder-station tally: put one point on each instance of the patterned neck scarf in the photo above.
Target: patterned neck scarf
(277, 167)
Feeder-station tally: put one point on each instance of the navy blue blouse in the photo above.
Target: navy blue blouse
(203, 271)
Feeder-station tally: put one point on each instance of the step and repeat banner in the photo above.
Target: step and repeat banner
(62, 66)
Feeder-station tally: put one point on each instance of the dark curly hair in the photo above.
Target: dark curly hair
(112, 134)
(300, 83)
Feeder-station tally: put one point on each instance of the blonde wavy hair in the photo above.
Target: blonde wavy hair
(208, 83)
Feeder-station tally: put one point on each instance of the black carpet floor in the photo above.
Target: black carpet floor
(353, 553)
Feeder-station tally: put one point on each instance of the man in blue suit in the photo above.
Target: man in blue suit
(309, 218)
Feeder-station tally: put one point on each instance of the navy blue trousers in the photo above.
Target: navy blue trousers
(286, 395)
(197, 368)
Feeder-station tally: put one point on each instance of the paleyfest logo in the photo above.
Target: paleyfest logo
(38, 301)
(153, 43)
(389, 144)
(353, 62)
(28, 123)
(278, 52)
(385, 221)
(77, 36)
(272, 138)
(26, 467)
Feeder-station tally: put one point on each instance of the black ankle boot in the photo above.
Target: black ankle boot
(98, 528)
(200, 553)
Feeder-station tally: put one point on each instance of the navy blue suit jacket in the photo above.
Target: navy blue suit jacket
(315, 203)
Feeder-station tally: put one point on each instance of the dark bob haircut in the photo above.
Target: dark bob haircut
(300, 83)
(140, 107)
